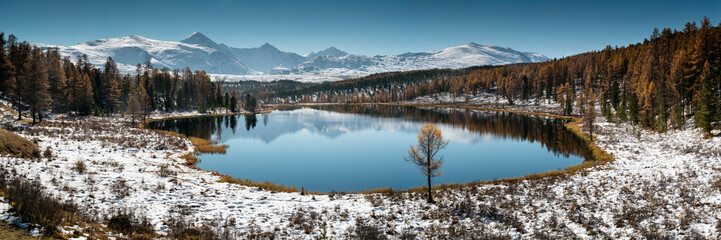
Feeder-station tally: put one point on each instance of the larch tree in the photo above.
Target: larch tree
(590, 117)
(7, 80)
(565, 99)
(425, 154)
(56, 79)
(109, 92)
(81, 93)
(20, 58)
(37, 88)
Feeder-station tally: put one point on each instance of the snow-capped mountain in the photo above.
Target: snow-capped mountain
(132, 50)
(331, 51)
(268, 58)
(471, 54)
(199, 52)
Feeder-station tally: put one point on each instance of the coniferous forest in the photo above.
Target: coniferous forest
(42, 82)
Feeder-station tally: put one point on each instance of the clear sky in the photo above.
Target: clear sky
(370, 27)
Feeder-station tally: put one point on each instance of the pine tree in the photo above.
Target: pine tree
(706, 112)
(233, 102)
(250, 103)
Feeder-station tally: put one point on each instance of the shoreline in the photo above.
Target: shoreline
(599, 156)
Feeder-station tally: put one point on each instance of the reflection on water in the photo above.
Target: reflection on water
(351, 148)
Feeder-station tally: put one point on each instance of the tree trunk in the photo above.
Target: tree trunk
(20, 114)
(430, 196)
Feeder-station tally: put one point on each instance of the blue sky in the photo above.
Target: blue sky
(554, 28)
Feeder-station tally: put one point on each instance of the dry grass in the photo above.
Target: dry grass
(207, 146)
(269, 186)
(8, 231)
(17, 146)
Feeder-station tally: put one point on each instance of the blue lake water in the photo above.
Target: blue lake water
(354, 148)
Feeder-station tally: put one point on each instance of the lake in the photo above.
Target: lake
(354, 148)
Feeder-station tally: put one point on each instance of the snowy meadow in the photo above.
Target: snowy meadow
(659, 186)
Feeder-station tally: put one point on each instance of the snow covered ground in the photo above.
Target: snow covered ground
(661, 185)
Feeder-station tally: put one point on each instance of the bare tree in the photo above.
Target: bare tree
(425, 154)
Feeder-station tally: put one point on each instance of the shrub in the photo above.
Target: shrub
(366, 231)
(131, 224)
(30, 200)
(79, 166)
(48, 154)
(120, 223)
(120, 188)
(165, 171)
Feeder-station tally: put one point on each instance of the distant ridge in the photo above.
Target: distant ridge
(199, 52)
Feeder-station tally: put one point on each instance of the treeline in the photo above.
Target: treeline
(379, 87)
(41, 81)
(657, 84)
(255, 87)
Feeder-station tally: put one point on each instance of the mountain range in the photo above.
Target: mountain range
(199, 52)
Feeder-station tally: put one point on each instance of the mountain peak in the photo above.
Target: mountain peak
(199, 39)
(331, 51)
(197, 35)
(267, 45)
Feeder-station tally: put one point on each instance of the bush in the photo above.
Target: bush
(120, 223)
(79, 166)
(165, 171)
(30, 200)
(48, 154)
(120, 188)
(367, 231)
(129, 223)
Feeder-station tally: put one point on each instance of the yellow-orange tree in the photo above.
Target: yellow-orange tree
(425, 153)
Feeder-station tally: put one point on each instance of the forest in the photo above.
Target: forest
(658, 83)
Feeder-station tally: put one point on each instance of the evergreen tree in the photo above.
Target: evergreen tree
(706, 112)
(233, 102)
(250, 103)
